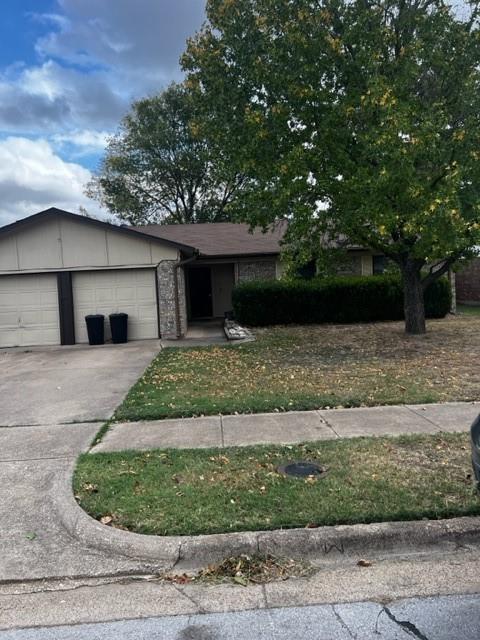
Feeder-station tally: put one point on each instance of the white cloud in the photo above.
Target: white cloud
(51, 18)
(85, 142)
(33, 178)
(51, 98)
(142, 38)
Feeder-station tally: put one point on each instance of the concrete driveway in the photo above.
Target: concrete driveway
(62, 385)
(52, 403)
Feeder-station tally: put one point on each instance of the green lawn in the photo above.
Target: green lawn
(184, 492)
(312, 367)
(468, 309)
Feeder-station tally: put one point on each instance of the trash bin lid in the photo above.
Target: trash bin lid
(118, 315)
(95, 316)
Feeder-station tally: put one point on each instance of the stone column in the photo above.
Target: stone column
(452, 280)
(167, 300)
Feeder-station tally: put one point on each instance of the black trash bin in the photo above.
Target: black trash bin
(95, 328)
(119, 327)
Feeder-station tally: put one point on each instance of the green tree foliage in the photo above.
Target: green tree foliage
(158, 169)
(359, 118)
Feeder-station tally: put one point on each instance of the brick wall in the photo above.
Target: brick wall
(256, 270)
(468, 282)
(352, 266)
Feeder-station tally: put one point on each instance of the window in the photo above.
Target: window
(308, 270)
(379, 264)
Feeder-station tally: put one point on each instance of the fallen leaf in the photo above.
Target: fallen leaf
(364, 563)
(106, 519)
(90, 488)
(178, 579)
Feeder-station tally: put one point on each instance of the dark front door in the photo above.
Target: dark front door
(200, 290)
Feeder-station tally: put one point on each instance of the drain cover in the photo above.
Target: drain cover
(301, 469)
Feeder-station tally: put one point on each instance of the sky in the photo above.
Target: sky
(69, 70)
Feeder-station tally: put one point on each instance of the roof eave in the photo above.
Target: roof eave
(258, 254)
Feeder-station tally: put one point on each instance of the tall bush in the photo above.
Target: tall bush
(340, 299)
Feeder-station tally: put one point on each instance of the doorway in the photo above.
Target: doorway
(200, 292)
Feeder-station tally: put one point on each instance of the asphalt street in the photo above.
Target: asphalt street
(438, 618)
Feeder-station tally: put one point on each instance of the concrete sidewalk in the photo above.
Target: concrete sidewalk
(289, 428)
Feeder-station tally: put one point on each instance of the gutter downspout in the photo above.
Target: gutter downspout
(176, 267)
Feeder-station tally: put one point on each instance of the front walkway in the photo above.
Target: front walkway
(289, 428)
(200, 334)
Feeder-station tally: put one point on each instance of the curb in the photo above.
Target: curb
(328, 543)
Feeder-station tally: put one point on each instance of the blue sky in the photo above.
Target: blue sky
(69, 69)
(18, 32)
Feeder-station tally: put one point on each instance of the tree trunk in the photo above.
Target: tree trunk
(413, 302)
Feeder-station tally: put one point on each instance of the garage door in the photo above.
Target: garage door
(130, 291)
(29, 310)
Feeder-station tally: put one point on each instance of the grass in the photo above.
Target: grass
(188, 492)
(468, 309)
(309, 367)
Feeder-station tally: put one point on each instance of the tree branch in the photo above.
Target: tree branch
(434, 274)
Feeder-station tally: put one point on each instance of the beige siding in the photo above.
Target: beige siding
(123, 248)
(61, 244)
(8, 253)
(39, 247)
(161, 252)
(83, 245)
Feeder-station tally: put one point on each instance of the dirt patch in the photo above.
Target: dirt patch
(246, 569)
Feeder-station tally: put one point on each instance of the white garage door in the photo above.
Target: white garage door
(129, 291)
(29, 310)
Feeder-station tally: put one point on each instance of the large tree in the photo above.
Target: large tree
(158, 169)
(355, 118)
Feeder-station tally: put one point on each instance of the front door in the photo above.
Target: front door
(200, 290)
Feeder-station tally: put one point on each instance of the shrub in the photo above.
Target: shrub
(340, 299)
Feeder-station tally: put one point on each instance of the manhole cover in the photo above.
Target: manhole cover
(301, 469)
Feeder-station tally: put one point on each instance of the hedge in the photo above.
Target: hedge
(340, 299)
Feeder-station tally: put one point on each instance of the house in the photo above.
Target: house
(468, 283)
(57, 267)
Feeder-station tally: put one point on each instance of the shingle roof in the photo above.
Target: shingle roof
(220, 238)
